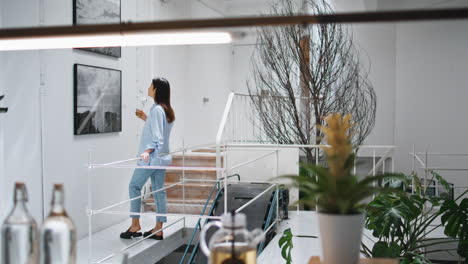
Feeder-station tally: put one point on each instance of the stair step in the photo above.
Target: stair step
(177, 209)
(175, 176)
(195, 160)
(177, 206)
(197, 191)
(180, 201)
(207, 150)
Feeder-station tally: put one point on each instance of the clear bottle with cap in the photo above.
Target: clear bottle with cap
(19, 232)
(58, 233)
(232, 243)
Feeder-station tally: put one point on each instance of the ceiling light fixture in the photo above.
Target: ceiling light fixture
(124, 40)
(193, 31)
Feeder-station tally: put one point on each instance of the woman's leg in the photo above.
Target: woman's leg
(139, 178)
(157, 181)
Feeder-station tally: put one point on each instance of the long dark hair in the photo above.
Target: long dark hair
(163, 97)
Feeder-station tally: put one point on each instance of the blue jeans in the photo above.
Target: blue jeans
(139, 178)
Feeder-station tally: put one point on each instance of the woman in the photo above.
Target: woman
(154, 149)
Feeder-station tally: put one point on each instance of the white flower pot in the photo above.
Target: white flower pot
(341, 237)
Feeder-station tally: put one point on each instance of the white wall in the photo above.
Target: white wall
(376, 46)
(3, 200)
(171, 62)
(194, 72)
(209, 71)
(39, 87)
(20, 82)
(431, 91)
(63, 155)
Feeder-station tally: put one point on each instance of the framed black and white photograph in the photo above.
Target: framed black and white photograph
(97, 100)
(86, 12)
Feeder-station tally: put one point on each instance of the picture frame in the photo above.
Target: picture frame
(97, 96)
(86, 12)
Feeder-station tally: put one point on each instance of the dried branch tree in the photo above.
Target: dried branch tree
(303, 73)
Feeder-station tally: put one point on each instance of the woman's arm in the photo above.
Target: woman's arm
(156, 125)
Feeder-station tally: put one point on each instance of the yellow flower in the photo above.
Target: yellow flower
(337, 134)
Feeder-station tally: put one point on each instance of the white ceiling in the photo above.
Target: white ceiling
(252, 7)
(414, 4)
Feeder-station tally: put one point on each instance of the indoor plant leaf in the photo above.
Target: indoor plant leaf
(384, 250)
(441, 180)
(387, 213)
(455, 219)
(286, 245)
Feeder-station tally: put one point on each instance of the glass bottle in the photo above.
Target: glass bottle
(232, 243)
(19, 232)
(58, 233)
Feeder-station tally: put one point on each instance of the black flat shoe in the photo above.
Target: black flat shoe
(129, 235)
(149, 233)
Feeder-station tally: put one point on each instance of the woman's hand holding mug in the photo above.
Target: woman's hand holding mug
(140, 114)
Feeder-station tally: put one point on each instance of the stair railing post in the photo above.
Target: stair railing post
(225, 180)
(393, 160)
(219, 135)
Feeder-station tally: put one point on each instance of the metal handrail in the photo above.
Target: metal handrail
(222, 125)
(195, 249)
(221, 190)
(219, 134)
(273, 207)
(197, 226)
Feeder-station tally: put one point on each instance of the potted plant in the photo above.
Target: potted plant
(337, 193)
(404, 223)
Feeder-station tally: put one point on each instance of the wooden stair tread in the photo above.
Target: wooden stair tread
(190, 185)
(195, 157)
(197, 184)
(191, 171)
(201, 201)
(180, 201)
(208, 150)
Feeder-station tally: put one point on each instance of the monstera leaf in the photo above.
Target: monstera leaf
(383, 250)
(455, 220)
(286, 245)
(441, 180)
(388, 213)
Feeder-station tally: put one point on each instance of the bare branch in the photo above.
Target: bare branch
(303, 73)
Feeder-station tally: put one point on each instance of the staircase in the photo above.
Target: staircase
(196, 192)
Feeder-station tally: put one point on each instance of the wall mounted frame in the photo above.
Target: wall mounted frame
(97, 106)
(98, 12)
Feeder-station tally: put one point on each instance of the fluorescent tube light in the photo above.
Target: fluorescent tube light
(123, 40)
